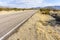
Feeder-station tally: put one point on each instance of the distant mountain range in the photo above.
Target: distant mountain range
(49, 7)
(53, 7)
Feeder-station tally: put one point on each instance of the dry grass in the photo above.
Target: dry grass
(47, 32)
(37, 29)
(11, 12)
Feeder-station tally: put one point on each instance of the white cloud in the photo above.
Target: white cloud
(50, 4)
(21, 3)
(3, 3)
(26, 3)
(29, 1)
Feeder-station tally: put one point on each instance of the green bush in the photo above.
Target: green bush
(45, 11)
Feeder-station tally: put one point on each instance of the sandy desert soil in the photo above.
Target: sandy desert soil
(10, 12)
(7, 12)
(36, 28)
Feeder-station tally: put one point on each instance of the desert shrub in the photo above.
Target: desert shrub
(45, 11)
(9, 9)
(0, 9)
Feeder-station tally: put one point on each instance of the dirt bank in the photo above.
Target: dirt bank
(37, 29)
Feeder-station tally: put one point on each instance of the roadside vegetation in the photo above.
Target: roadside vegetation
(41, 26)
(45, 11)
(48, 26)
(9, 9)
(16, 9)
(53, 13)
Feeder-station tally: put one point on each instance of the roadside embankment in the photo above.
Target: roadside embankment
(37, 28)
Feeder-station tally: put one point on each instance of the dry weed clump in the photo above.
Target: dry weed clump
(46, 32)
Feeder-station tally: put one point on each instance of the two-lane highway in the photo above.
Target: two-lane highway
(10, 22)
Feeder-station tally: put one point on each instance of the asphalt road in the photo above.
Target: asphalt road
(10, 21)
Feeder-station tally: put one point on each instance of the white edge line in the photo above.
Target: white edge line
(3, 37)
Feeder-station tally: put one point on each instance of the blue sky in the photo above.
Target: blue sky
(29, 3)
